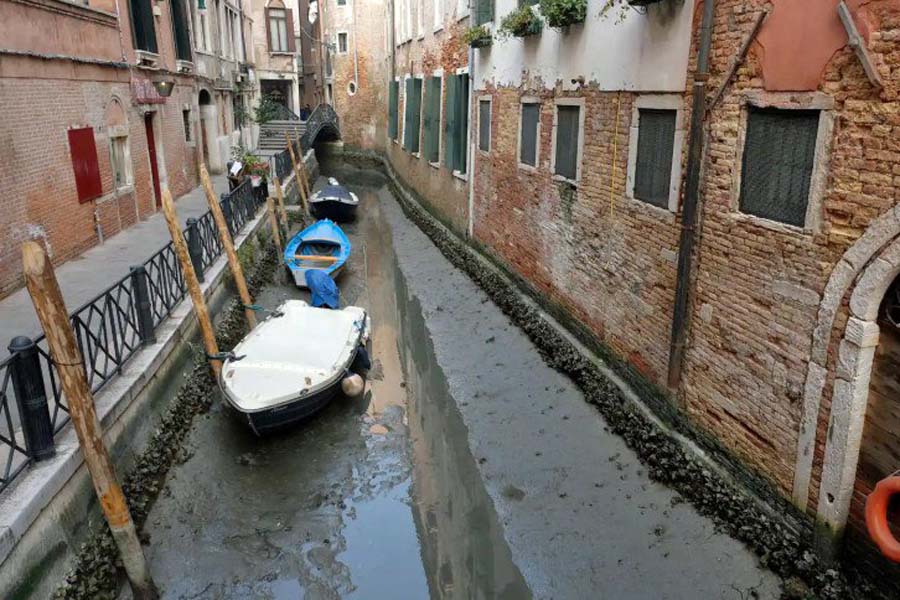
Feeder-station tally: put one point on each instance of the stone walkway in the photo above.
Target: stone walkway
(82, 278)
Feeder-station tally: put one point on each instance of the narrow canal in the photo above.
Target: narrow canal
(468, 469)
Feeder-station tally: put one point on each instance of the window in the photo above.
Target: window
(484, 125)
(432, 148)
(529, 133)
(777, 165)
(85, 164)
(438, 15)
(342, 2)
(655, 151)
(142, 25)
(567, 134)
(201, 29)
(186, 122)
(182, 32)
(412, 116)
(281, 30)
(342, 42)
(484, 11)
(119, 157)
(456, 123)
(393, 116)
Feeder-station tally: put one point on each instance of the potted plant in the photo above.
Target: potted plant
(521, 22)
(562, 13)
(478, 36)
(259, 170)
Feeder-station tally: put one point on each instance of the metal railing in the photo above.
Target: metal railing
(281, 164)
(322, 116)
(109, 330)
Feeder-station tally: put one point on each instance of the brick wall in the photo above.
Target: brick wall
(37, 185)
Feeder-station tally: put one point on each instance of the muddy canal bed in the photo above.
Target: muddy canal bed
(469, 468)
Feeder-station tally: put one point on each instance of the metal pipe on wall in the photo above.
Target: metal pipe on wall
(691, 202)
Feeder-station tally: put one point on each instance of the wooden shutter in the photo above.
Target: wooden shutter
(484, 125)
(484, 11)
(289, 16)
(528, 136)
(85, 164)
(653, 171)
(462, 121)
(268, 31)
(567, 141)
(393, 93)
(450, 125)
(427, 121)
(777, 164)
(407, 114)
(415, 102)
(432, 119)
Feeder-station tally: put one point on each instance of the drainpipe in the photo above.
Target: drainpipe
(691, 202)
(472, 142)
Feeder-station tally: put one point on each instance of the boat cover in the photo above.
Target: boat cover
(325, 294)
(335, 192)
(289, 356)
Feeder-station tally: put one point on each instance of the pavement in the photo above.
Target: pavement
(82, 278)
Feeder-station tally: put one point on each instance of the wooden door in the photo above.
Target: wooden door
(151, 149)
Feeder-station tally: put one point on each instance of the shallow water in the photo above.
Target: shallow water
(468, 469)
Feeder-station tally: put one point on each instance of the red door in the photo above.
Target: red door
(151, 147)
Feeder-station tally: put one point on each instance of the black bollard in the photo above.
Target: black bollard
(31, 398)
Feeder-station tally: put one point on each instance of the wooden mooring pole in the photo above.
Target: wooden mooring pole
(190, 279)
(273, 221)
(279, 195)
(236, 270)
(298, 175)
(51, 311)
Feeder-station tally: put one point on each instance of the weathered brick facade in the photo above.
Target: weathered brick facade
(83, 71)
(763, 293)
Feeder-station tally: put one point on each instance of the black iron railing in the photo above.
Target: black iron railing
(109, 329)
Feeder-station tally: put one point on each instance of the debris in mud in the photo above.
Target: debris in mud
(97, 570)
(667, 462)
(378, 429)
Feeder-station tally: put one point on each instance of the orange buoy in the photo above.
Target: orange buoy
(877, 517)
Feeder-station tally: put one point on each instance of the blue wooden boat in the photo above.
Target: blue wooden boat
(322, 246)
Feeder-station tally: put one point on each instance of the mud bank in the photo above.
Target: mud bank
(733, 510)
(97, 572)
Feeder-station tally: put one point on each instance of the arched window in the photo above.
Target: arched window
(280, 27)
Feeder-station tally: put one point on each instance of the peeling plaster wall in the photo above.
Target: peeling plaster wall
(640, 53)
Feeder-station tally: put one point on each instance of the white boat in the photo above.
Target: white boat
(291, 365)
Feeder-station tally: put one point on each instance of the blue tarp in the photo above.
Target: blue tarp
(323, 289)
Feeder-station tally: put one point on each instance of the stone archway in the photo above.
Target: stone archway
(856, 354)
(881, 232)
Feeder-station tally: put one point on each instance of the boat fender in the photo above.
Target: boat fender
(352, 385)
(877, 517)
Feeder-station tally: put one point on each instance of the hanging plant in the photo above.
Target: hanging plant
(562, 13)
(477, 37)
(624, 5)
(521, 22)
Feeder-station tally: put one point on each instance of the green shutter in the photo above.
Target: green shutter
(432, 119)
(462, 121)
(528, 137)
(415, 103)
(484, 11)
(407, 114)
(393, 93)
(567, 118)
(656, 141)
(450, 124)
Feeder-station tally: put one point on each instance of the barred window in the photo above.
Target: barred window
(656, 143)
(777, 165)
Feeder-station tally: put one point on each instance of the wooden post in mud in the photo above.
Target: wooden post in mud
(52, 313)
(279, 195)
(273, 221)
(298, 175)
(190, 279)
(236, 270)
